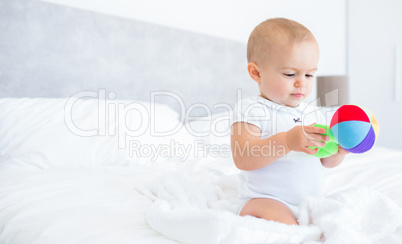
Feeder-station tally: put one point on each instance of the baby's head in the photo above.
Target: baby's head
(282, 58)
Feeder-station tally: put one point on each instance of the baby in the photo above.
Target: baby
(272, 133)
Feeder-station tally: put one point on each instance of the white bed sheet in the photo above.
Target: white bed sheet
(88, 205)
(353, 210)
(379, 169)
(108, 204)
(56, 187)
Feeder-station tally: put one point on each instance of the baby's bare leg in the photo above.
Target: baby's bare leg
(269, 209)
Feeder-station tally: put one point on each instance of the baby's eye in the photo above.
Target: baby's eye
(309, 76)
(289, 75)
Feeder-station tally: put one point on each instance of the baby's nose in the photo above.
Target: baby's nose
(300, 82)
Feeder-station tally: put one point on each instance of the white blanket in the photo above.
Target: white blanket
(200, 208)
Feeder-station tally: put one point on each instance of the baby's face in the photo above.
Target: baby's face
(287, 75)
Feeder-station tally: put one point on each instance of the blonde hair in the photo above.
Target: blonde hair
(272, 32)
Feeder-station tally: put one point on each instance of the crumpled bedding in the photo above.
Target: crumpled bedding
(96, 205)
(192, 202)
(57, 187)
(202, 209)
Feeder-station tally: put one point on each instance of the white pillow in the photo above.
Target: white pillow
(70, 132)
(213, 129)
(212, 135)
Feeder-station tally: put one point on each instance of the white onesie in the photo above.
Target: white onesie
(291, 178)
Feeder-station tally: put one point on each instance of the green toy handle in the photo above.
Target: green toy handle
(331, 146)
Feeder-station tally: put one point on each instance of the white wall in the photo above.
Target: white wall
(375, 31)
(235, 19)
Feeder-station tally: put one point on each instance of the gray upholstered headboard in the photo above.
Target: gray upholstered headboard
(49, 50)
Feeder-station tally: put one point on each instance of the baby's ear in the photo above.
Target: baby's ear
(253, 71)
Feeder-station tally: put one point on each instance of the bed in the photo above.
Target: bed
(93, 150)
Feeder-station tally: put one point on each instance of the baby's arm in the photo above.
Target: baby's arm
(251, 153)
(334, 160)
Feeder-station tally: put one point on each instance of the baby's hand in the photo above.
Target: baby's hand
(342, 151)
(300, 138)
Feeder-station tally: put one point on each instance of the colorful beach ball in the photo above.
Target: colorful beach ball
(355, 128)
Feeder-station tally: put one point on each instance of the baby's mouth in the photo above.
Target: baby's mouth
(297, 95)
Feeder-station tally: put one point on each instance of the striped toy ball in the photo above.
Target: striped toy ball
(355, 128)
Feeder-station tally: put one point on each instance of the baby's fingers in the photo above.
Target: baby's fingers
(310, 151)
(318, 137)
(314, 129)
(316, 133)
(313, 143)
